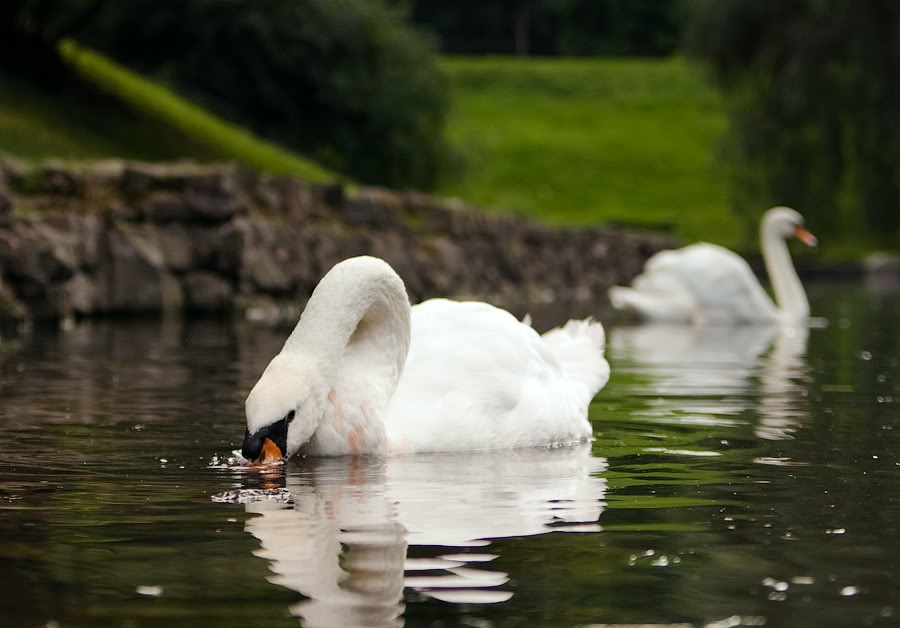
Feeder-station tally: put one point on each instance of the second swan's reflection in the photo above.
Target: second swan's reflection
(342, 540)
(711, 373)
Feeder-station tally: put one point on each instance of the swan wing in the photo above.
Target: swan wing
(723, 284)
(703, 282)
(476, 378)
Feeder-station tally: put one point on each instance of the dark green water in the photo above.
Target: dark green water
(739, 478)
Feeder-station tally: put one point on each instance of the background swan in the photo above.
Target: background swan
(364, 373)
(708, 283)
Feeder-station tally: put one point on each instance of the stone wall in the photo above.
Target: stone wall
(131, 238)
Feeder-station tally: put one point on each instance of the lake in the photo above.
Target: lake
(739, 477)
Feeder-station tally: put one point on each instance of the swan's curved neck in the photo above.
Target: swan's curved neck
(359, 310)
(789, 294)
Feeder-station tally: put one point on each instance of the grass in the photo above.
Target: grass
(228, 140)
(590, 141)
(140, 120)
(37, 125)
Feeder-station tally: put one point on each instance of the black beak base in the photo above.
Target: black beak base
(253, 443)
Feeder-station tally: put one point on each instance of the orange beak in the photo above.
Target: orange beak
(270, 453)
(802, 234)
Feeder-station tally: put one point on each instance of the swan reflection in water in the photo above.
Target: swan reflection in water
(710, 374)
(341, 539)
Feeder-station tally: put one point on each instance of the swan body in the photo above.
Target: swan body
(365, 373)
(706, 283)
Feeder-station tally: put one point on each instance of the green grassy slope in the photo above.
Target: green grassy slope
(588, 141)
(147, 121)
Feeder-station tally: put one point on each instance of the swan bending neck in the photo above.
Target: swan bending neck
(360, 304)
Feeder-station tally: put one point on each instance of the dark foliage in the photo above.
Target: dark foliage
(554, 27)
(814, 101)
(345, 81)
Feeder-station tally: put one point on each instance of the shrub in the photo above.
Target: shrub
(345, 81)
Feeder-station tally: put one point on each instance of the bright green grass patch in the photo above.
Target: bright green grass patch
(226, 140)
(588, 141)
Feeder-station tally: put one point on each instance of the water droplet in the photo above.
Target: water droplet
(803, 580)
(881, 379)
(149, 590)
(662, 561)
(864, 355)
(848, 591)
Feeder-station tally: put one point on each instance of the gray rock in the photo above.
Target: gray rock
(214, 196)
(150, 238)
(207, 291)
(12, 311)
(285, 196)
(136, 273)
(6, 203)
(163, 207)
(176, 245)
(56, 178)
(39, 253)
(376, 208)
(83, 236)
(78, 295)
(171, 293)
(91, 237)
(262, 269)
(223, 250)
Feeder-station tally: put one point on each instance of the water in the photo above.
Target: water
(739, 478)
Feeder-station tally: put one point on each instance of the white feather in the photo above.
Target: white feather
(366, 373)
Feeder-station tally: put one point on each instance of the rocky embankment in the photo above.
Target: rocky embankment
(132, 238)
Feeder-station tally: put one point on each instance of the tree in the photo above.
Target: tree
(813, 98)
(554, 27)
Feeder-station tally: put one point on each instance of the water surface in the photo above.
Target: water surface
(738, 478)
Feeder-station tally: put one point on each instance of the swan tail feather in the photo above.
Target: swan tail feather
(650, 306)
(579, 348)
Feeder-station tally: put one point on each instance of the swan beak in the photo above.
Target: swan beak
(270, 453)
(267, 445)
(802, 234)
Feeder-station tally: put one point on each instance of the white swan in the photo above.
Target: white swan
(364, 373)
(708, 283)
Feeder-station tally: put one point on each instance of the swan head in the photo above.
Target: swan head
(785, 223)
(283, 409)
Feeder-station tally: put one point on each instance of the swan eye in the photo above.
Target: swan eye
(289, 418)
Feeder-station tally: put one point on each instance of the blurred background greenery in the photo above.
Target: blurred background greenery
(690, 115)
